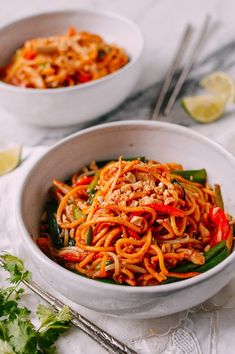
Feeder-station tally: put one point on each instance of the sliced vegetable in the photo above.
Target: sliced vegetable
(83, 181)
(54, 231)
(29, 55)
(102, 163)
(166, 209)
(199, 176)
(70, 257)
(92, 187)
(43, 243)
(63, 187)
(212, 253)
(72, 242)
(214, 256)
(89, 236)
(218, 196)
(140, 158)
(77, 213)
(222, 228)
(106, 264)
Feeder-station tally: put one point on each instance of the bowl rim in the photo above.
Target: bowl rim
(108, 14)
(53, 266)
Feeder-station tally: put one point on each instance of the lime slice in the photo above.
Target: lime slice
(9, 159)
(204, 109)
(220, 83)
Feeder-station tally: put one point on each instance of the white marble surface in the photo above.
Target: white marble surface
(207, 329)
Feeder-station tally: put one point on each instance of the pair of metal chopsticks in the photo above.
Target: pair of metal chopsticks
(108, 342)
(181, 50)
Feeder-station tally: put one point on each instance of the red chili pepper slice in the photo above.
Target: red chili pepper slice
(71, 31)
(29, 55)
(84, 77)
(84, 180)
(222, 228)
(43, 243)
(134, 234)
(166, 209)
(69, 257)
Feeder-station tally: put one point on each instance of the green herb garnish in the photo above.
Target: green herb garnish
(17, 332)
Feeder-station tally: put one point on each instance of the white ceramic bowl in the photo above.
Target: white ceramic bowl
(160, 141)
(77, 104)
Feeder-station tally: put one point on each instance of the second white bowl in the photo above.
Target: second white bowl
(81, 103)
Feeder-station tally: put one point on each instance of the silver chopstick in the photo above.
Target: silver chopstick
(183, 45)
(108, 342)
(196, 50)
(103, 338)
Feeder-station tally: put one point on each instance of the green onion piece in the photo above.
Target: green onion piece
(213, 257)
(139, 158)
(91, 188)
(43, 65)
(54, 231)
(199, 176)
(77, 214)
(98, 265)
(107, 281)
(110, 281)
(93, 184)
(72, 242)
(102, 163)
(89, 236)
(218, 196)
(191, 267)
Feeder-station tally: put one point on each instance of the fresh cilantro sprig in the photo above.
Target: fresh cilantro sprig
(18, 335)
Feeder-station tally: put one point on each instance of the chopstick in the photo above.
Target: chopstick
(172, 69)
(184, 73)
(108, 342)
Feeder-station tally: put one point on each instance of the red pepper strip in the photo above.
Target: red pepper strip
(43, 244)
(134, 234)
(220, 222)
(69, 257)
(29, 55)
(166, 209)
(84, 180)
(84, 77)
(71, 31)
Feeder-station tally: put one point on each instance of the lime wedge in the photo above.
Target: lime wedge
(204, 109)
(220, 83)
(9, 159)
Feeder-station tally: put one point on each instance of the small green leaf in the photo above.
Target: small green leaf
(5, 347)
(52, 325)
(15, 266)
(19, 333)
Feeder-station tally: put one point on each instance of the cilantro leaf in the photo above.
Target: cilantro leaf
(20, 332)
(15, 267)
(5, 347)
(48, 316)
(17, 333)
(52, 325)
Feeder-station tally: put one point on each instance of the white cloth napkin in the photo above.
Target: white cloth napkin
(205, 329)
